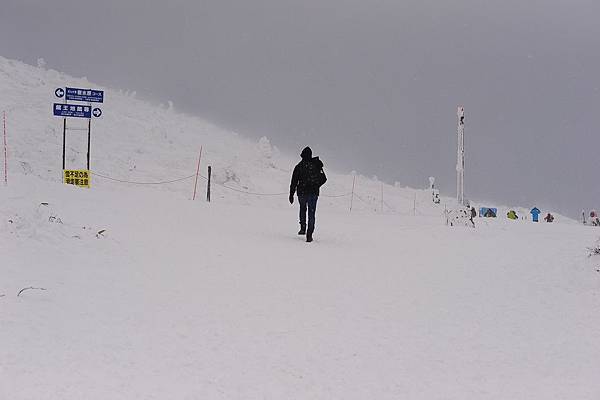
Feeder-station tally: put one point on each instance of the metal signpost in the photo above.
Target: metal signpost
(70, 110)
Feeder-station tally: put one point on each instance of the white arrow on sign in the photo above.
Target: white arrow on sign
(60, 92)
(97, 112)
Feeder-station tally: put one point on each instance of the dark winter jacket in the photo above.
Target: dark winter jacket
(308, 175)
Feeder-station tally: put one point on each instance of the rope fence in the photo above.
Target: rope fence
(141, 183)
(206, 179)
(370, 201)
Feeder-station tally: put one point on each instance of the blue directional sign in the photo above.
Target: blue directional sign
(72, 110)
(59, 92)
(87, 95)
(96, 112)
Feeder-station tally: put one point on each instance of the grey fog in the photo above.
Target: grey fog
(371, 86)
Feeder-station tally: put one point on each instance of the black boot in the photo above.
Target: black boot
(302, 230)
(309, 235)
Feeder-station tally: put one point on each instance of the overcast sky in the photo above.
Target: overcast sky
(371, 85)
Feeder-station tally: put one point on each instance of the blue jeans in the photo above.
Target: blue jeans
(308, 201)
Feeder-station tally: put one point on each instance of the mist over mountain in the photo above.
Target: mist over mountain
(373, 87)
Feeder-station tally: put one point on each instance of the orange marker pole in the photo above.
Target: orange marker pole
(197, 171)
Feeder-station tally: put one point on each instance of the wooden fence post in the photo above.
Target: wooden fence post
(208, 186)
(352, 196)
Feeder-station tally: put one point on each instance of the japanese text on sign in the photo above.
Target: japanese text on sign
(71, 110)
(76, 177)
(87, 95)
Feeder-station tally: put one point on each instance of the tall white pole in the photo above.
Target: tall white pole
(5, 156)
(460, 160)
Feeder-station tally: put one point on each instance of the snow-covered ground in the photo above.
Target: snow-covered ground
(181, 299)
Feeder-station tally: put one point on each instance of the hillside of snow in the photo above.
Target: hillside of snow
(137, 142)
(133, 291)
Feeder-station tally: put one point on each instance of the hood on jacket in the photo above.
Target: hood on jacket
(306, 153)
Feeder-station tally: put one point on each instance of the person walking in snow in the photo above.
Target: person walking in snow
(307, 178)
(473, 215)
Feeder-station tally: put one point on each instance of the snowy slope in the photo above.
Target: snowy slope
(136, 141)
(184, 300)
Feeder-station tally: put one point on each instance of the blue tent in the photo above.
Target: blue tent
(488, 212)
(535, 212)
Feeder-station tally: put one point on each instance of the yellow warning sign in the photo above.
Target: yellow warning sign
(77, 177)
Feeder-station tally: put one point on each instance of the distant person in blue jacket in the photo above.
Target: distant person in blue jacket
(535, 212)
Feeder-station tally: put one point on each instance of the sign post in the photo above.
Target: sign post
(70, 110)
(89, 140)
(64, 140)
